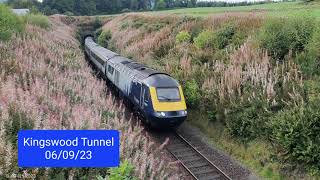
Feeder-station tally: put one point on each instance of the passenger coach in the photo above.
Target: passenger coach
(156, 96)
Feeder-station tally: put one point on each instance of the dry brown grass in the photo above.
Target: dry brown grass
(44, 76)
(250, 67)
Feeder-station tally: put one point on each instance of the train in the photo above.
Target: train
(155, 95)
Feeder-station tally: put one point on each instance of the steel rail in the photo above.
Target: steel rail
(204, 158)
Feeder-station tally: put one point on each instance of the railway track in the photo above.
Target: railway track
(193, 160)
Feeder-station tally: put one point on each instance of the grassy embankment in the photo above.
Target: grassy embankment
(250, 81)
(45, 83)
(283, 9)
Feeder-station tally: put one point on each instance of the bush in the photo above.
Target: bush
(9, 23)
(104, 38)
(183, 37)
(125, 172)
(192, 93)
(205, 40)
(38, 20)
(297, 132)
(308, 64)
(309, 60)
(313, 46)
(279, 36)
(68, 13)
(17, 121)
(223, 36)
(247, 121)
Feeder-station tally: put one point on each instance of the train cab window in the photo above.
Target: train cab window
(146, 96)
(110, 69)
(168, 94)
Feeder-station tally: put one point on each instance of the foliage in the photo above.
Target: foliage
(247, 121)
(9, 23)
(17, 120)
(183, 36)
(297, 131)
(18, 4)
(279, 36)
(206, 39)
(309, 60)
(227, 78)
(192, 93)
(62, 94)
(160, 4)
(223, 36)
(68, 13)
(124, 172)
(308, 64)
(91, 7)
(104, 38)
(313, 46)
(37, 20)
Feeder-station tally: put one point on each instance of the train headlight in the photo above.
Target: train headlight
(184, 113)
(160, 114)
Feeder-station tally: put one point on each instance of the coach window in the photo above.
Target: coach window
(110, 69)
(146, 95)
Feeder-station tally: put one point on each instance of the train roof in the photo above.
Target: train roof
(100, 51)
(161, 80)
(149, 76)
(139, 71)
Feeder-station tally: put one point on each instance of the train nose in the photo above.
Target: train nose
(168, 119)
(171, 114)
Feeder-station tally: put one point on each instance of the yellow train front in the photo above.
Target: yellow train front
(164, 103)
(154, 95)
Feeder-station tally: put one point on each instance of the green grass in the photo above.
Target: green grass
(271, 9)
(38, 20)
(256, 155)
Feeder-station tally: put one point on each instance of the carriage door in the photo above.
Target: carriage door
(144, 97)
(136, 91)
(116, 78)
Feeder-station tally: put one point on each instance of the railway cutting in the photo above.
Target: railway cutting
(200, 167)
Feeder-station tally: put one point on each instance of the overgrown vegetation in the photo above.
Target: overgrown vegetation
(279, 36)
(125, 171)
(246, 75)
(45, 83)
(37, 20)
(9, 23)
(104, 38)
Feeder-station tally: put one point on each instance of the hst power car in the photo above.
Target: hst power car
(155, 95)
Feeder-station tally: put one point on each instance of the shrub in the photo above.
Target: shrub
(163, 49)
(192, 93)
(183, 37)
(309, 60)
(308, 64)
(279, 36)
(223, 36)
(247, 121)
(9, 23)
(205, 40)
(68, 13)
(297, 132)
(125, 171)
(104, 38)
(17, 121)
(97, 33)
(313, 47)
(38, 20)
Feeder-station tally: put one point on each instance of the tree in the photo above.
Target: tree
(19, 4)
(161, 4)
(85, 7)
